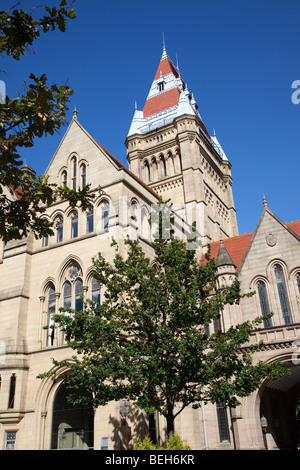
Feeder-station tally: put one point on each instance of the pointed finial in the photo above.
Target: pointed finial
(214, 132)
(135, 105)
(75, 112)
(164, 54)
(265, 201)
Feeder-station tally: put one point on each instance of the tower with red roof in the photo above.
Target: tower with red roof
(170, 148)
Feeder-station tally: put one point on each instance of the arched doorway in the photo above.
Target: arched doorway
(72, 425)
(280, 405)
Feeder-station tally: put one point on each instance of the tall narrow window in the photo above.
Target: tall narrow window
(264, 304)
(217, 322)
(90, 221)
(298, 282)
(223, 422)
(11, 438)
(105, 215)
(45, 241)
(12, 391)
(78, 295)
(83, 175)
(59, 230)
(67, 295)
(51, 312)
(282, 292)
(74, 225)
(95, 291)
(64, 179)
(74, 172)
(148, 174)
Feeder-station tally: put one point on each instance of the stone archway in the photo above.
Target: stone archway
(72, 425)
(279, 400)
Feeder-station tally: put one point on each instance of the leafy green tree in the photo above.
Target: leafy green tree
(147, 340)
(174, 443)
(39, 111)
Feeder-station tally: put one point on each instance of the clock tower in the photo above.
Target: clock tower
(170, 149)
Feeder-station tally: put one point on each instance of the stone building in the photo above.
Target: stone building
(170, 154)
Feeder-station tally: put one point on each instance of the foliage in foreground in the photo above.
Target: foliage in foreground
(147, 340)
(174, 443)
(39, 111)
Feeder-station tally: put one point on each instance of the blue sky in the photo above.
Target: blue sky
(238, 57)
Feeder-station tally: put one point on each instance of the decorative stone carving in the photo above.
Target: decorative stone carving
(271, 239)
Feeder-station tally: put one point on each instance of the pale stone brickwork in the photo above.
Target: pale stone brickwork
(187, 165)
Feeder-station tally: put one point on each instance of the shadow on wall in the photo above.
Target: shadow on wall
(126, 430)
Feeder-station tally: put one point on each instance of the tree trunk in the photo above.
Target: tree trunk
(170, 421)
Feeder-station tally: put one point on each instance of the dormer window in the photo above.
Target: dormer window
(161, 86)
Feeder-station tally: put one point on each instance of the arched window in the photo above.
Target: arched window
(95, 291)
(90, 221)
(147, 168)
(105, 215)
(51, 311)
(282, 292)
(74, 225)
(59, 229)
(78, 295)
(72, 425)
(83, 175)
(67, 295)
(64, 178)
(298, 282)
(74, 172)
(264, 303)
(164, 166)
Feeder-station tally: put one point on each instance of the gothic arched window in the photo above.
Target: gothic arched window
(282, 292)
(67, 295)
(264, 303)
(90, 221)
(95, 291)
(74, 172)
(59, 229)
(298, 282)
(105, 215)
(64, 178)
(74, 225)
(78, 295)
(83, 175)
(51, 311)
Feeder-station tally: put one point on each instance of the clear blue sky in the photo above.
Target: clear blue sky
(238, 57)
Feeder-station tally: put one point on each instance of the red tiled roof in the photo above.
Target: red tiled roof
(165, 67)
(295, 226)
(161, 102)
(236, 247)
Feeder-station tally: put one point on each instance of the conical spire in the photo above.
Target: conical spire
(223, 258)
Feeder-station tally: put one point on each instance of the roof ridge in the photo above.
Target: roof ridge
(121, 165)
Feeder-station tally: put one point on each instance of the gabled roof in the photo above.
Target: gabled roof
(237, 247)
